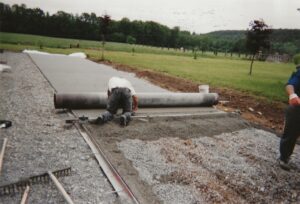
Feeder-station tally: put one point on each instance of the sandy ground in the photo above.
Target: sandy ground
(39, 141)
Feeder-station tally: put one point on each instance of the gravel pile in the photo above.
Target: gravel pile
(39, 141)
(237, 167)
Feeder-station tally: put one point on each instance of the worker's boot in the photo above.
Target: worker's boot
(285, 165)
(123, 120)
(98, 120)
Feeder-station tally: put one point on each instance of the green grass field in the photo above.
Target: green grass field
(51, 42)
(267, 80)
(64, 43)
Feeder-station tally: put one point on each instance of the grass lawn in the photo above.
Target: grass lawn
(267, 80)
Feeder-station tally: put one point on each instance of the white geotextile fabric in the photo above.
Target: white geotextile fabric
(76, 54)
(5, 68)
(35, 52)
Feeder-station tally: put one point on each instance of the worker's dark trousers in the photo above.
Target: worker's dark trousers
(119, 98)
(291, 132)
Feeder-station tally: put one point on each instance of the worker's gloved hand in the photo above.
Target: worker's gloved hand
(294, 100)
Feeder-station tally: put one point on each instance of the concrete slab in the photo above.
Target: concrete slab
(71, 74)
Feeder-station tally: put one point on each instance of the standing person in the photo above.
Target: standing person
(121, 94)
(292, 120)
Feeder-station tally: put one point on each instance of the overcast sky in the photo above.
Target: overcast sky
(200, 16)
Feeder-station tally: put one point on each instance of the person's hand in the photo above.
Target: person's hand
(135, 103)
(135, 108)
(294, 100)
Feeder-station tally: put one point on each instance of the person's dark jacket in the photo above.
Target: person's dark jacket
(294, 80)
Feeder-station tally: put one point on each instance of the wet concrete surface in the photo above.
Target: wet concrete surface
(156, 112)
(72, 75)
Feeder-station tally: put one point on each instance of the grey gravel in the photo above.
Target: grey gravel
(146, 159)
(39, 141)
(236, 167)
(176, 194)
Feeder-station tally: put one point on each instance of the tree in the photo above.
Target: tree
(173, 40)
(257, 38)
(104, 23)
(289, 48)
(239, 47)
(130, 40)
(125, 26)
(89, 26)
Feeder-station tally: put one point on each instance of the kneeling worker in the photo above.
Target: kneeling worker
(121, 94)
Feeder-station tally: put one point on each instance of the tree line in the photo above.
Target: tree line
(20, 19)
